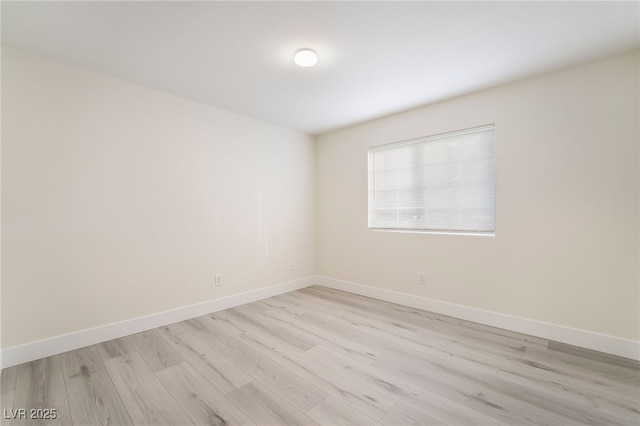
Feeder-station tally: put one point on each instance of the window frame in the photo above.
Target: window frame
(419, 143)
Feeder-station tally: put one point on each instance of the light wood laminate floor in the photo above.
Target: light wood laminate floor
(322, 356)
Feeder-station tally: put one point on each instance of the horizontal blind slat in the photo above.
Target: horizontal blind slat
(443, 183)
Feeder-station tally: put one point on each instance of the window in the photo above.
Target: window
(441, 183)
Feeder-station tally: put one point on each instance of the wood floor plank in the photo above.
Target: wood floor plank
(40, 385)
(157, 353)
(429, 403)
(146, 399)
(93, 400)
(433, 325)
(401, 414)
(560, 388)
(529, 396)
(289, 322)
(302, 394)
(279, 303)
(265, 408)
(367, 354)
(479, 392)
(294, 338)
(467, 331)
(227, 323)
(320, 355)
(364, 399)
(436, 321)
(7, 393)
(231, 324)
(357, 394)
(582, 353)
(253, 308)
(585, 367)
(384, 342)
(114, 348)
(401, 334)
(367, 304)
(578, 376)
(223, 374)
(393, 317)
(192, 325)
(332, 411)
(204, 404)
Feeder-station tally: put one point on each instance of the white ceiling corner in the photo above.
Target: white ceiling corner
(376, 58)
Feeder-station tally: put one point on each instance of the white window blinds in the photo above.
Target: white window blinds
(443, 183)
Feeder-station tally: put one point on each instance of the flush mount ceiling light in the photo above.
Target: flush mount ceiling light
(305, 58)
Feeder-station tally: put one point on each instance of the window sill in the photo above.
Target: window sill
(419, 231)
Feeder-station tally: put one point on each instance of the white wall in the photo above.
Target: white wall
(566, 249)
(120, 201)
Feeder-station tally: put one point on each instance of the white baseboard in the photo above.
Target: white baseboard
(42, 348)
(582, 338)
(55, 345)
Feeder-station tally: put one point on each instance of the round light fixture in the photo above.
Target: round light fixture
(305, 58)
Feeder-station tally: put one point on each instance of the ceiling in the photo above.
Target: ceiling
(376, 58)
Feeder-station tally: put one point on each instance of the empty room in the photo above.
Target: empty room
(320, 213)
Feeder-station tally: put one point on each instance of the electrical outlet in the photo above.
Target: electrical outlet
(292, 268)
(422, 279)
(218, 280)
